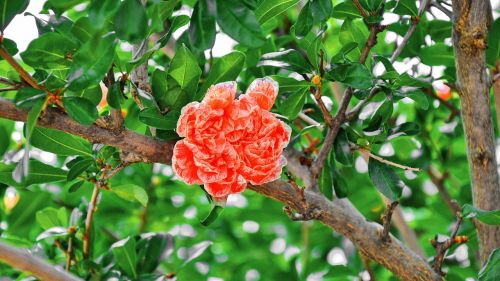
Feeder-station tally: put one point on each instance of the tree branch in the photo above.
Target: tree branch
(149, 149)
(19, 69)
(23, 260)
(470, 30)
(341, 216)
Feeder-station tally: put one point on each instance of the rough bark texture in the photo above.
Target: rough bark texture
(470, 23)
(22, 259)
(148, 149)
(340, 215)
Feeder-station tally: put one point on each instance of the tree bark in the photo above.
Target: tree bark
(470, 28)
(23, 260)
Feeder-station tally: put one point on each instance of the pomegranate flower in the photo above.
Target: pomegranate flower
(229, 142)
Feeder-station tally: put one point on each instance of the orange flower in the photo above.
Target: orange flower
(229, 142)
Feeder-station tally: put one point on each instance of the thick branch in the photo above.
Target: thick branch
(470, 29)
(341, 216)
(23, 260)
(149, 149)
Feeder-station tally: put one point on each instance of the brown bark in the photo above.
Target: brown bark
(470, 22)
(149, 149)
(22, 259)
(340, 215)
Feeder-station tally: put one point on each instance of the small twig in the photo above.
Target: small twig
(385, 161)
(88, 221)
(360, 8)
(318, 80)
(443, 246)
(386, 219)
(310, 214)
(9, 82)
(441, 8)
(110, 173)
(69, 253)
(19, 69)
(340, 117)
(9, 89)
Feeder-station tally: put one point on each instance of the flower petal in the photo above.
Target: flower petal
(264, 92)
(183, 164)
(220, 95)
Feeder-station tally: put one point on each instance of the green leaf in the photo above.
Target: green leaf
(437, 54)
(10, 46)
(184, 69)
(177, 22)
(132, 193)
(340, 185)
(60, 143)
(50, 217)
(346, 49)
(91, 62)
(131, 21)
(440, 30)
(491, 270)
(78, 168)
(226, 68)
(342, 150)
(75, 186)
(288, 59)
(154, 248)
(215, 212)
(196, 251)
(406, 7)
(50, 51)
(381, 113)
(305, 21)
(202, 27)
(293, 104)
(102, 11)
(240, 23)
(488, 217)
(27, 97)
(152, 117)
(288, 84)
(114, 97)
(38, 173)
(83, 29)
(125, 256)
(325, 180)
(493, 51)
(345, 10)
(385, 179)
(321, 10)
(269, 9)
(33, 115)
(80, 109)
(355, 75)
(405, 129)
(10, 8)
(56, 231)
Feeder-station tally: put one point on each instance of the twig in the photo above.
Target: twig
(385, 161)
(69, 253)
(352, 114)
(454, 110)
(9, 89)
(443, 246)
(88, 221)
(109, 174)
(341, 113)
(386, 219)
(360, 8)
(318, 80)
(19, 69)
(23, 260)
(441, 8)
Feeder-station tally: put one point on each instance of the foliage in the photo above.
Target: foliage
(148, 224)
